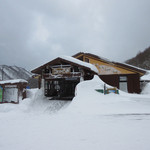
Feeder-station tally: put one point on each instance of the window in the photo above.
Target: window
(123, 83)
(87, 60)
(123, 78)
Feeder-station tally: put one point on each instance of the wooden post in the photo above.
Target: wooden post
(104, 89)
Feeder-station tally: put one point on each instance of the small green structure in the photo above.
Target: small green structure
(108, 90)
(100, 90)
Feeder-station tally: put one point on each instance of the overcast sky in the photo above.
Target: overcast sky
(33, 32)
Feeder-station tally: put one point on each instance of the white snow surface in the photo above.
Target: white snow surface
(13, 81)
(146, 76)
(77, 61)
(146, 89)
(92, 121)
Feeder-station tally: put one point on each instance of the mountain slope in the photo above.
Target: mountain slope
(13, 72)
(141, 60)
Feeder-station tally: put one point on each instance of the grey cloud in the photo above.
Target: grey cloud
(33, 32)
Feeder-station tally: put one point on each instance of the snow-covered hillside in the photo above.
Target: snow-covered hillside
(13, 72)
(91, 121)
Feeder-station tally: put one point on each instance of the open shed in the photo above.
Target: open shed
(12, 90)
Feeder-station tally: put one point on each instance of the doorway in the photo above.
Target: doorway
(62, 89)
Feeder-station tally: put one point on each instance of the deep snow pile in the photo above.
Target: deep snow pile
(38, 102)
(35, 103)
(89, 101)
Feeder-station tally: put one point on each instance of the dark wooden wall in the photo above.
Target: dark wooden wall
(133, 81)
(112, 80)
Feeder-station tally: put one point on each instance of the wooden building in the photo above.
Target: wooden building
(61, 75)
(120, 75)
(12, 90)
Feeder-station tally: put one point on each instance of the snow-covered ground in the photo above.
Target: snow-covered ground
(92, 121)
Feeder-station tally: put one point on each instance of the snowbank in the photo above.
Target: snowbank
(146, 77)
(35, 102)
(89, 101)
(40, 103)
(146, 89)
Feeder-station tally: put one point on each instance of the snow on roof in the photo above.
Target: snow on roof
(79, 62)
(143, 71)
(135, 67)
(13, 81)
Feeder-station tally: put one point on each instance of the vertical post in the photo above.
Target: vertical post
(2, 73)
(104, 89)
(39, 82)
(1, 94)
(18, 94)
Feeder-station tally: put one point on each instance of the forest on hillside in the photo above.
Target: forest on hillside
(142, 59)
